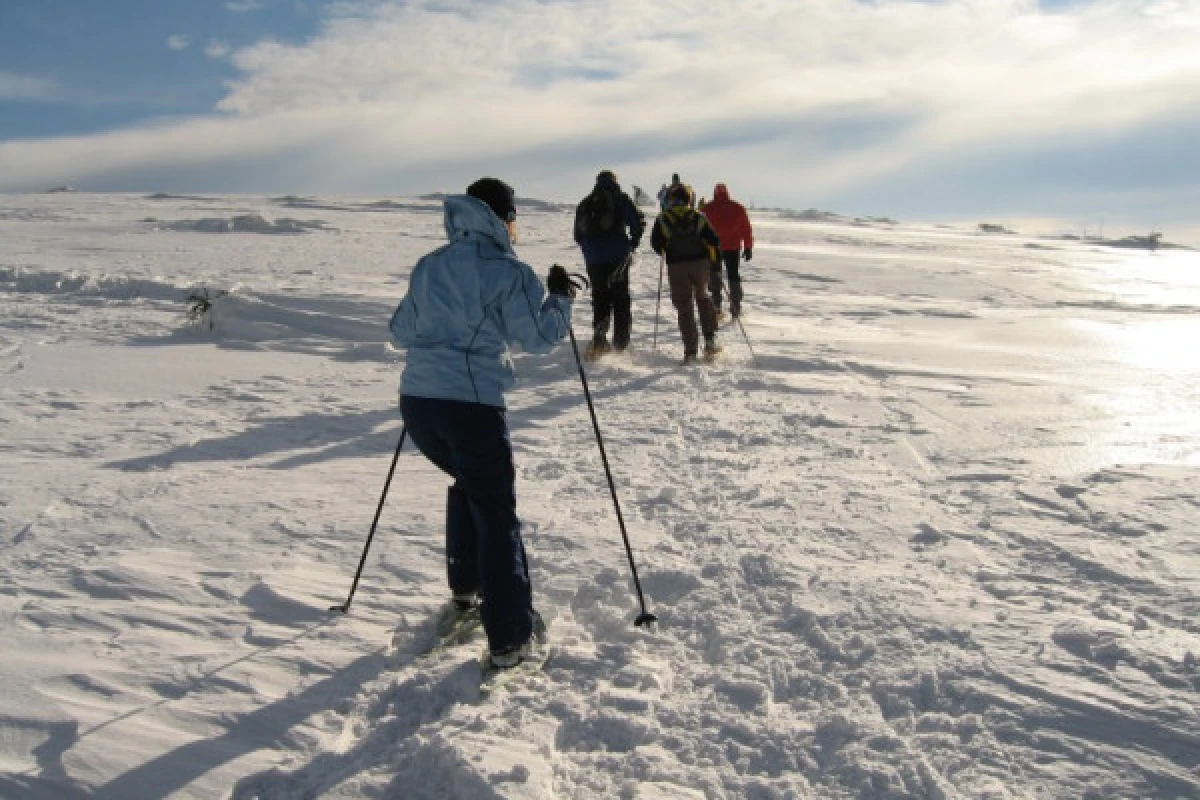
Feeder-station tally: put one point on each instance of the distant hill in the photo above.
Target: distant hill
(531, 203)
(1151, 241)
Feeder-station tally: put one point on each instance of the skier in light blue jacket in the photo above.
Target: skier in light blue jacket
(468, 302)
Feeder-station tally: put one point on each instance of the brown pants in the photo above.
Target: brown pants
(689, 290)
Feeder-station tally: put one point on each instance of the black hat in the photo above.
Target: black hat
(498, 195)
(675, 177)
(606, 176)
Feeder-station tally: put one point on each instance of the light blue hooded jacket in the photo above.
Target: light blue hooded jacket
(467, 302)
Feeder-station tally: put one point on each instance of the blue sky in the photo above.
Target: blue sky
(1053, 114)
(101, 65)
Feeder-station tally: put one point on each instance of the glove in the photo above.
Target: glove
(747, 254)
(559, 282)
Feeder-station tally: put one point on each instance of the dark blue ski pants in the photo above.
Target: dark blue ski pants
(484, 551)
(610, 299)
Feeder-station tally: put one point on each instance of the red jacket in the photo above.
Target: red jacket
(729, 220)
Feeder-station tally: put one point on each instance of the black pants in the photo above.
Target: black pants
(610, 300)
(484, 550)
(716, 285)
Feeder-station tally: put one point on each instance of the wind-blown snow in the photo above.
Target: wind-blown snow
(934, 538)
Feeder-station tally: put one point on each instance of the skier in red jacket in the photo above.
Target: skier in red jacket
(729, 219)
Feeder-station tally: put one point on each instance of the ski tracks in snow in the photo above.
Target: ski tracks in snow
(807, 647)
(867, 585)
(767, 674)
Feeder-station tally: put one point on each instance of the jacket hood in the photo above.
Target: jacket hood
(720, 192)
(677, 213)
(467, 216)
(607, 180)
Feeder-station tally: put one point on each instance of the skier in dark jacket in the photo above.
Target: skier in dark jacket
(683, 236)
(469, 301)
(729, 219)
(608, 228)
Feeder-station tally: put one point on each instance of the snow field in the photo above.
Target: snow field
(936, 544)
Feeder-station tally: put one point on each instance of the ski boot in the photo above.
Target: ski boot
(597, 348)
(712, 348)
(510, 657)
(460, 618)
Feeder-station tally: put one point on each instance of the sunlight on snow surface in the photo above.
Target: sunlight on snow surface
(936, 540)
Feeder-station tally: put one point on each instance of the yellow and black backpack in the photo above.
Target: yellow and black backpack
(681, 228)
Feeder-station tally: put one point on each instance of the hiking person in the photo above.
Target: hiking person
(689, 244)
(729, 219)
(467, 302)
(608, 228)
(665, 190)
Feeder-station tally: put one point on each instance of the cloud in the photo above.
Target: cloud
(244, 6)
(972, 70)
(179, 41)
(26, 87)
(825, 99)
(195, 146)
(217, 50)
(529, 73)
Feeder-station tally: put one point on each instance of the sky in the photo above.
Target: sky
(1079, 115)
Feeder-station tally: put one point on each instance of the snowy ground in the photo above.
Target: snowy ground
(937, 539)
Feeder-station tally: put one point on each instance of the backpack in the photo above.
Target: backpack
(598, 214)
(684, 242)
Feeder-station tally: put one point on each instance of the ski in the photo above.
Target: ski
(454, 627)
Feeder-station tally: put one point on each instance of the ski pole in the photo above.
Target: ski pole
(345, 607)
(753, 358)
(662, 259)
(622, 271)
(645, 617)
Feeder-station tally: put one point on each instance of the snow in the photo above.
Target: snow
(936, 540)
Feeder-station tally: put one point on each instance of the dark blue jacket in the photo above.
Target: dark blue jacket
(616, 247)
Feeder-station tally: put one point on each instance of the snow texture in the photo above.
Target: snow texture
(937, 540)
